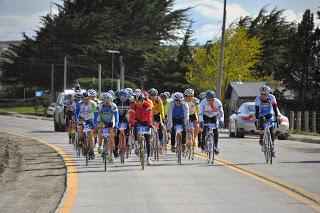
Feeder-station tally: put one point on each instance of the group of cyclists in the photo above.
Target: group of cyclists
(145, 108)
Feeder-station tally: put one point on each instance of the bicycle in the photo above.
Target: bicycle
(123, 148)
(179, 130)
(156, 144)
(209, 139)
(190, 142)
(86, 147)
(105, 134)
(142, 130)
(75, 138)
(267, 141)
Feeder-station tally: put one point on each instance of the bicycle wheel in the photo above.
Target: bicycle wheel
(179, 148)
(105, 153)
(86, 149)
(270, 149)
(265, 147)
(156, 148)
(122, 147)
(141, 148)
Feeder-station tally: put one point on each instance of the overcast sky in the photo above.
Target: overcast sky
(17, 16)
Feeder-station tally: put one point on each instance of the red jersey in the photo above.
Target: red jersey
(141, 114)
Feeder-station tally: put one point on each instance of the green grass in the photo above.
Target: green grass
(25, 110)
(303, 133)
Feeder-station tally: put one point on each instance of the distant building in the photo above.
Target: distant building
(239, 92)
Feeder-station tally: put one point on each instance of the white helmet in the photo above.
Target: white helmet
(178, 96)
(137, 91)
(106, 97)
(189, 92)
(129, 90)
(92, 93)
(264, 89)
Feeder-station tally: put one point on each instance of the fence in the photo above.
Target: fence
(304, 121)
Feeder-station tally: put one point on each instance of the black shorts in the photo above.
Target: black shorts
(156, 118)
(192, 117)
(263, 120)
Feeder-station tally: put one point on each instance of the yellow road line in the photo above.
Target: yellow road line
(72, 190)
(308, 198)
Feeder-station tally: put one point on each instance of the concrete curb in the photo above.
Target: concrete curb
(18, 115)
(293, 137)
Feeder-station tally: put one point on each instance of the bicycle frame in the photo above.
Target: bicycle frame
(179, 130)
(142, 130)
(267, 141)
(86, 128)
(105, 134)
(210, 145)
(122, 141)
(190, 142)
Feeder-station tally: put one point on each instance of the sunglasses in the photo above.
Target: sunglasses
(263, 94)
(177, 101)
(209, 99)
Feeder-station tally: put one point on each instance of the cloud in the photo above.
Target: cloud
(12, 26)
(291, 16)
(207, 32)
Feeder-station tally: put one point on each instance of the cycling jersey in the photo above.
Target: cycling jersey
(86, 112)
(194, 107)
(178, 112)
(107, 114)
(210, 111)
(141, 114)
(123, 108)
(166, 107)
(157, 108)
(267, 106)
(97, 100)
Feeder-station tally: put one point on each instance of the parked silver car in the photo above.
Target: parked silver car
(242, 122)
(59, 117)
(50, 110)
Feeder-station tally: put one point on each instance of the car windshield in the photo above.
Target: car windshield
(251, 108)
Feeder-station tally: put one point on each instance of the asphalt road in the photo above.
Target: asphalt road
(239, 181)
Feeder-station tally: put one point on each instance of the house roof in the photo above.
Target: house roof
(245, 89)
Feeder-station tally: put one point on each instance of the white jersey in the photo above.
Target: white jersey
(193, 105)
(211, 111)
(87, 111)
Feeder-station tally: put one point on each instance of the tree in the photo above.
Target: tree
(85, 29)
(241, 55)
(274, 32)
(301, 69)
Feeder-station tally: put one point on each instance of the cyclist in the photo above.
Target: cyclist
(76, 85)
(201, 97)
(166, 102)
(158, 112)
(265, 103)
(107, 115)
(141, 114)
(123, 103)
(178, 115)
(69, 112)
(193, 104)
(93, 97)
(85, 114)
(211, 111)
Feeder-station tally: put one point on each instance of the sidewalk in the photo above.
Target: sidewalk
(293, 137)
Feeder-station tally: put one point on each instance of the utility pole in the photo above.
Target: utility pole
(99, 81)
(65, 74)
(52, 82)
(112, 71)
(50, 8)
(222, 51)
(121, 72)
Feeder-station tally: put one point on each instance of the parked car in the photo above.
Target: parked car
(50, 110)
(59, 117)
(242, 122)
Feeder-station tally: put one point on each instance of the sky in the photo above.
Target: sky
(17, 16)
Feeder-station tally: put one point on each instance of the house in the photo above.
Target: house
(239, 92)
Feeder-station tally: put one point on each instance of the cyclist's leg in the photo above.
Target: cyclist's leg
(100, 125)
(261, 129)
(116, 142)
(196, 131)
(173, 138)
(147, 137)
(111, 142)
(216, 138)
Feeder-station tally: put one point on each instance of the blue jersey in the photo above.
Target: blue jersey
(107, 114)
(178, 112)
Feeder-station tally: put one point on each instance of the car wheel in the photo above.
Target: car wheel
(238, 132)
(283, 137)
(231, 134)
(56, 128)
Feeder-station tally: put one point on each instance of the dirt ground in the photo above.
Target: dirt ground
(32, 176)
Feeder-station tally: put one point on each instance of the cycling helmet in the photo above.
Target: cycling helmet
(163, 95)
(106, 97)
(153, 92)
(92, 93)
(189, 92)
(85, 95)
(202, 95)
(210, 94)
(129, 90)
(168, 94)
(139, 97)
(137, 91)
(146, 94)
(178, 96)
(123, 94)
(264, 89)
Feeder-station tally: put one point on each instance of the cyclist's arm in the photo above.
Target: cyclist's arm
(132, 113)
(161, 108)
(116, 115)
(169, 118)
(220, 111)
(201, 108)
(186, 114)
